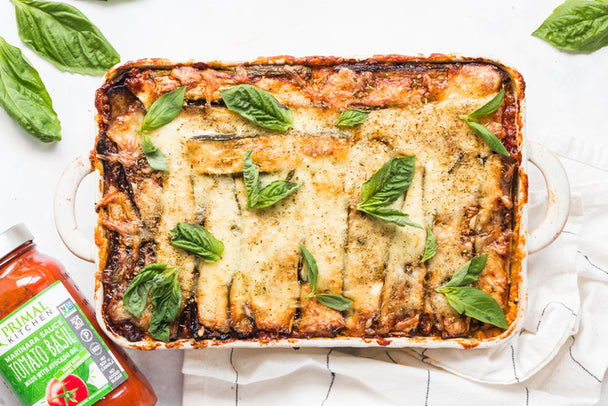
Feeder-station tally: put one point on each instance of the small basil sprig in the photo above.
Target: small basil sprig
(163, 282)
(384, 187)
(24, 96)
(472, 301)
(198, 241)
(577, 25)
(135, 297)
(166, 303)
(258, 197)
(162, 112)
(65, 36)
(487, 135)
(155, 157)
(430, 247)
(351, 118)
(336, 302)
(258, 106)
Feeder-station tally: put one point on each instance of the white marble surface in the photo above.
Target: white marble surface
(566, 93)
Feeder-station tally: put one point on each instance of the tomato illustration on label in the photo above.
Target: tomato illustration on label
(69, 392)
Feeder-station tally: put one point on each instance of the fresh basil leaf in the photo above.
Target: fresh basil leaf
(490, 107)
(389, 215)
(258, 106)
(251, 178)
(489, 137)
(577, 25)
(336, 302)
(155, 157)
(430, 247)
(136, 296)
(277, 190)
(351, 117)
(259, 198)
(389, 183)
(24, 97)
(164, 110)
(198, 241)
(469, 272)
(166, 303)
(65, 36)
(313, 270)
(476, 304)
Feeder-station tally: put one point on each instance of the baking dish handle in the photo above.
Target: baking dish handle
(65, 209)
(558, 200)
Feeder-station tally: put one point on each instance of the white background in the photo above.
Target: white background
(566, 93)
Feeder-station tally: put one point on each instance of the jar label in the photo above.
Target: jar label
(51, 355)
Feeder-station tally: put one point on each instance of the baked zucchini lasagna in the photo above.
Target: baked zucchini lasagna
(312, 198)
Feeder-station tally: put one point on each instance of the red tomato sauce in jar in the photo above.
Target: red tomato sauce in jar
(52, 350)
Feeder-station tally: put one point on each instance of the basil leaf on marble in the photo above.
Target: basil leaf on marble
(351, 118)
(577, 25)
(66, 37)
(164, 110)
(336, 302)
(136, 296)
(197, 240)
(476, 304)
(430, 247)
(155, 157)
(24, 97)
(258, 106)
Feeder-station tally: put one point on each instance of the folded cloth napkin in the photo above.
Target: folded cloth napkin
(558, 358)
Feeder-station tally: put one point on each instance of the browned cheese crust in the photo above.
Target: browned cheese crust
(258, 290)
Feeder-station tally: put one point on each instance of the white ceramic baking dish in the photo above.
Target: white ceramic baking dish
(530, 241)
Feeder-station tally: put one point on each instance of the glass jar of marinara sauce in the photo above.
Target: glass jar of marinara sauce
(52, 351)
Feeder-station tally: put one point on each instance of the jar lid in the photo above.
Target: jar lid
(13, 238)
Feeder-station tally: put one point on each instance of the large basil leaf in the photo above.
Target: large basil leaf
(24, 97)
(65, 36)
(312, 270)
(577, 25)
(155, 157)
(258, 106)
(430, 247)
(389, 215)
(164, 110)
(351, 118)
(166, 303)
(258, 197)
(336, 302)
(476, 304)
(389, 182)
(198, 241)
(136, 296)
